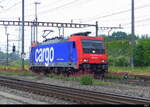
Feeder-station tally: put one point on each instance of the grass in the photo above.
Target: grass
(83, 79)
(110, 76)
(86, 80)
(16, 65)
(130, 70)
(17, 73)
(101, 82)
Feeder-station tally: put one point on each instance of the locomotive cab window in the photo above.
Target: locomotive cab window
(93, 46)
(74, 45)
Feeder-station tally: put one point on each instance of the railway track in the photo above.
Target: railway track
(141, 80)
(71, 94)
(136, 82)
(134, 79)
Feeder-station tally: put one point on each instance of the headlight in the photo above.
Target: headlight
(85, 60)
(102, 61)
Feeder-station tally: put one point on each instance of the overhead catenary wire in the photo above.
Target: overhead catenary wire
(124, 19)
(2, 1)
(6, 3)
(113, 14)
(57, 7)
(50, 4)
(138, 21)
(42, 7)
(12, 6)
(138, 25)
(17, 3)
(72, 2)
(6, 9)
(41, 10)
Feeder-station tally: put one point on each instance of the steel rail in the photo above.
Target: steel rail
(77, 95)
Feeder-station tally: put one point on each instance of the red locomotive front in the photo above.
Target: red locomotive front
(91, 53)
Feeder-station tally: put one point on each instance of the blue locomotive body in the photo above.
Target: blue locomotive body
(54, 55)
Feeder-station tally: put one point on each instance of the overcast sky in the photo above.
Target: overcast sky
(109, 13)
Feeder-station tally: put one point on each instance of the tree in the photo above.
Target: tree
(119, 35)
(118, 52)
(142, 53)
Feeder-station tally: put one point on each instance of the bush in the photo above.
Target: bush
(51, 75)
(86, 80)
(122, 61)
(118, 61)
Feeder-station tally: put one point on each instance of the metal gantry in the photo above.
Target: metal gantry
(42, 24)
(109, 28)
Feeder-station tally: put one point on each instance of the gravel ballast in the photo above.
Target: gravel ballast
(10, 97)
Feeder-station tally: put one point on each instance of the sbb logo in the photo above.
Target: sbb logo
(44, 55)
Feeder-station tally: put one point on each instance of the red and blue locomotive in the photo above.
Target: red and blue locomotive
(78, 54)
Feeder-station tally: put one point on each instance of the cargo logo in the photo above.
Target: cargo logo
(44, 55)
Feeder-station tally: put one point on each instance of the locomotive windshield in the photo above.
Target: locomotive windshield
(93, 46)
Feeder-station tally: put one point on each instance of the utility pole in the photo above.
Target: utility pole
(63, 32)
(133, 33)
(36, 19)
(31, 35)
(7, 45)
(96, 28)
(59, 30)
(19, 38)
(71, 20)
(22, 54)
(109, 32)
(7, 48)
(33, 32)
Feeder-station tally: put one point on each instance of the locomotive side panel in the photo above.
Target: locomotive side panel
(54, 55)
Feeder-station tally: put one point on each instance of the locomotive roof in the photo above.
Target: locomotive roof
(53, 40)
(82, 33)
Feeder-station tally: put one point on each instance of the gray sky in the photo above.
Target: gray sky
(106, 12)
